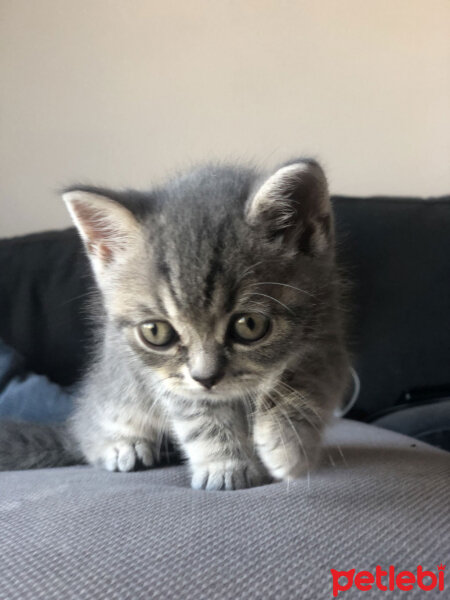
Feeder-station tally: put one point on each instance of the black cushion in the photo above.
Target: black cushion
(396, 251)
(45, 281)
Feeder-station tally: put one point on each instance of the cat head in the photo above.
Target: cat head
(216, 281)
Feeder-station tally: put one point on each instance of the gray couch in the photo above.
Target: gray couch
(379, 498)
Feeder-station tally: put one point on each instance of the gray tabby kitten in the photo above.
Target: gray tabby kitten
(221, 323)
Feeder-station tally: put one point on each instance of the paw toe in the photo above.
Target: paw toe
(144, 453)
(199, 479)
(226, 477)
(109, 459)
(126, 457)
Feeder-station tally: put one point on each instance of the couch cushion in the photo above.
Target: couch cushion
(379, 498)
(45, 286)
(396, 252)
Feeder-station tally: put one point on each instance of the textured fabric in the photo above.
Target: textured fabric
(428, 423)
(78, 533)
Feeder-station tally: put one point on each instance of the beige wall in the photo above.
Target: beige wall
(119, 92)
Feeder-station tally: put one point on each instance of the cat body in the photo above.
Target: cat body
(220, 324)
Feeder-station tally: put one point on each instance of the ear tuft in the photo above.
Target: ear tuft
(293, 204)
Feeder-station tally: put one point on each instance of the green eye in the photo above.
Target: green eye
(157, 333)
(249, 327)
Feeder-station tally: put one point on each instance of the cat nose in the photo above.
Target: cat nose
(207, 365)
(208, 381)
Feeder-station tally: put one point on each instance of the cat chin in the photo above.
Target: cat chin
(210, 396)
(215, 395)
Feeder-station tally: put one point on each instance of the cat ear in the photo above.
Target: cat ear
(107, 229)
(294, 205)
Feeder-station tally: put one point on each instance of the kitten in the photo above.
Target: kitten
(221, 323)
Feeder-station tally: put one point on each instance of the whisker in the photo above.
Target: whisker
(300, 441)
(302, 413)
(84, 295)
(305, 403)
(284, 285)
(275, 300)
(249, 270)
(276, 420)
(344, 460)
(259, 307)
(246, 398)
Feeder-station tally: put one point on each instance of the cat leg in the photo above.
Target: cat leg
(287, 434)
(215, 437)
(117, 440)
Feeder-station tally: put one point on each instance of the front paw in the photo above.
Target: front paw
(125, 455)
(285, 462)
(227, 475)
(285, 454)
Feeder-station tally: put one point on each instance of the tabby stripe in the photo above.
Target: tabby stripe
(215, 267)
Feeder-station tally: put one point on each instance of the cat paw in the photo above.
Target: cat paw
(227, 475)
(286, 461)
(126, 455)
(288, 449)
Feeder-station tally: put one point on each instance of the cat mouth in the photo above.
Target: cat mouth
(242, 390)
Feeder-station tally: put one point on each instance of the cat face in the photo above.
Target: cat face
(214, 282)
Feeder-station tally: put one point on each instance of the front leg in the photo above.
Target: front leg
(118, 439)
(287, 434)
(216, 439)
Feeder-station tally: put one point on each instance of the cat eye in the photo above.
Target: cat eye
(249, 327)
(157, 333)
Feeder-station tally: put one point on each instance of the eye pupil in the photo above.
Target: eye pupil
(157, 333)
(249, 328)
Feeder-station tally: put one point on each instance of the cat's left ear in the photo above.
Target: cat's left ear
(109, 230)
(293, 206)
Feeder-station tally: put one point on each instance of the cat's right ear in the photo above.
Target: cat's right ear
(109, 230)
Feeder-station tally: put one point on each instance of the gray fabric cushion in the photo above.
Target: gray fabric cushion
(80, 533)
